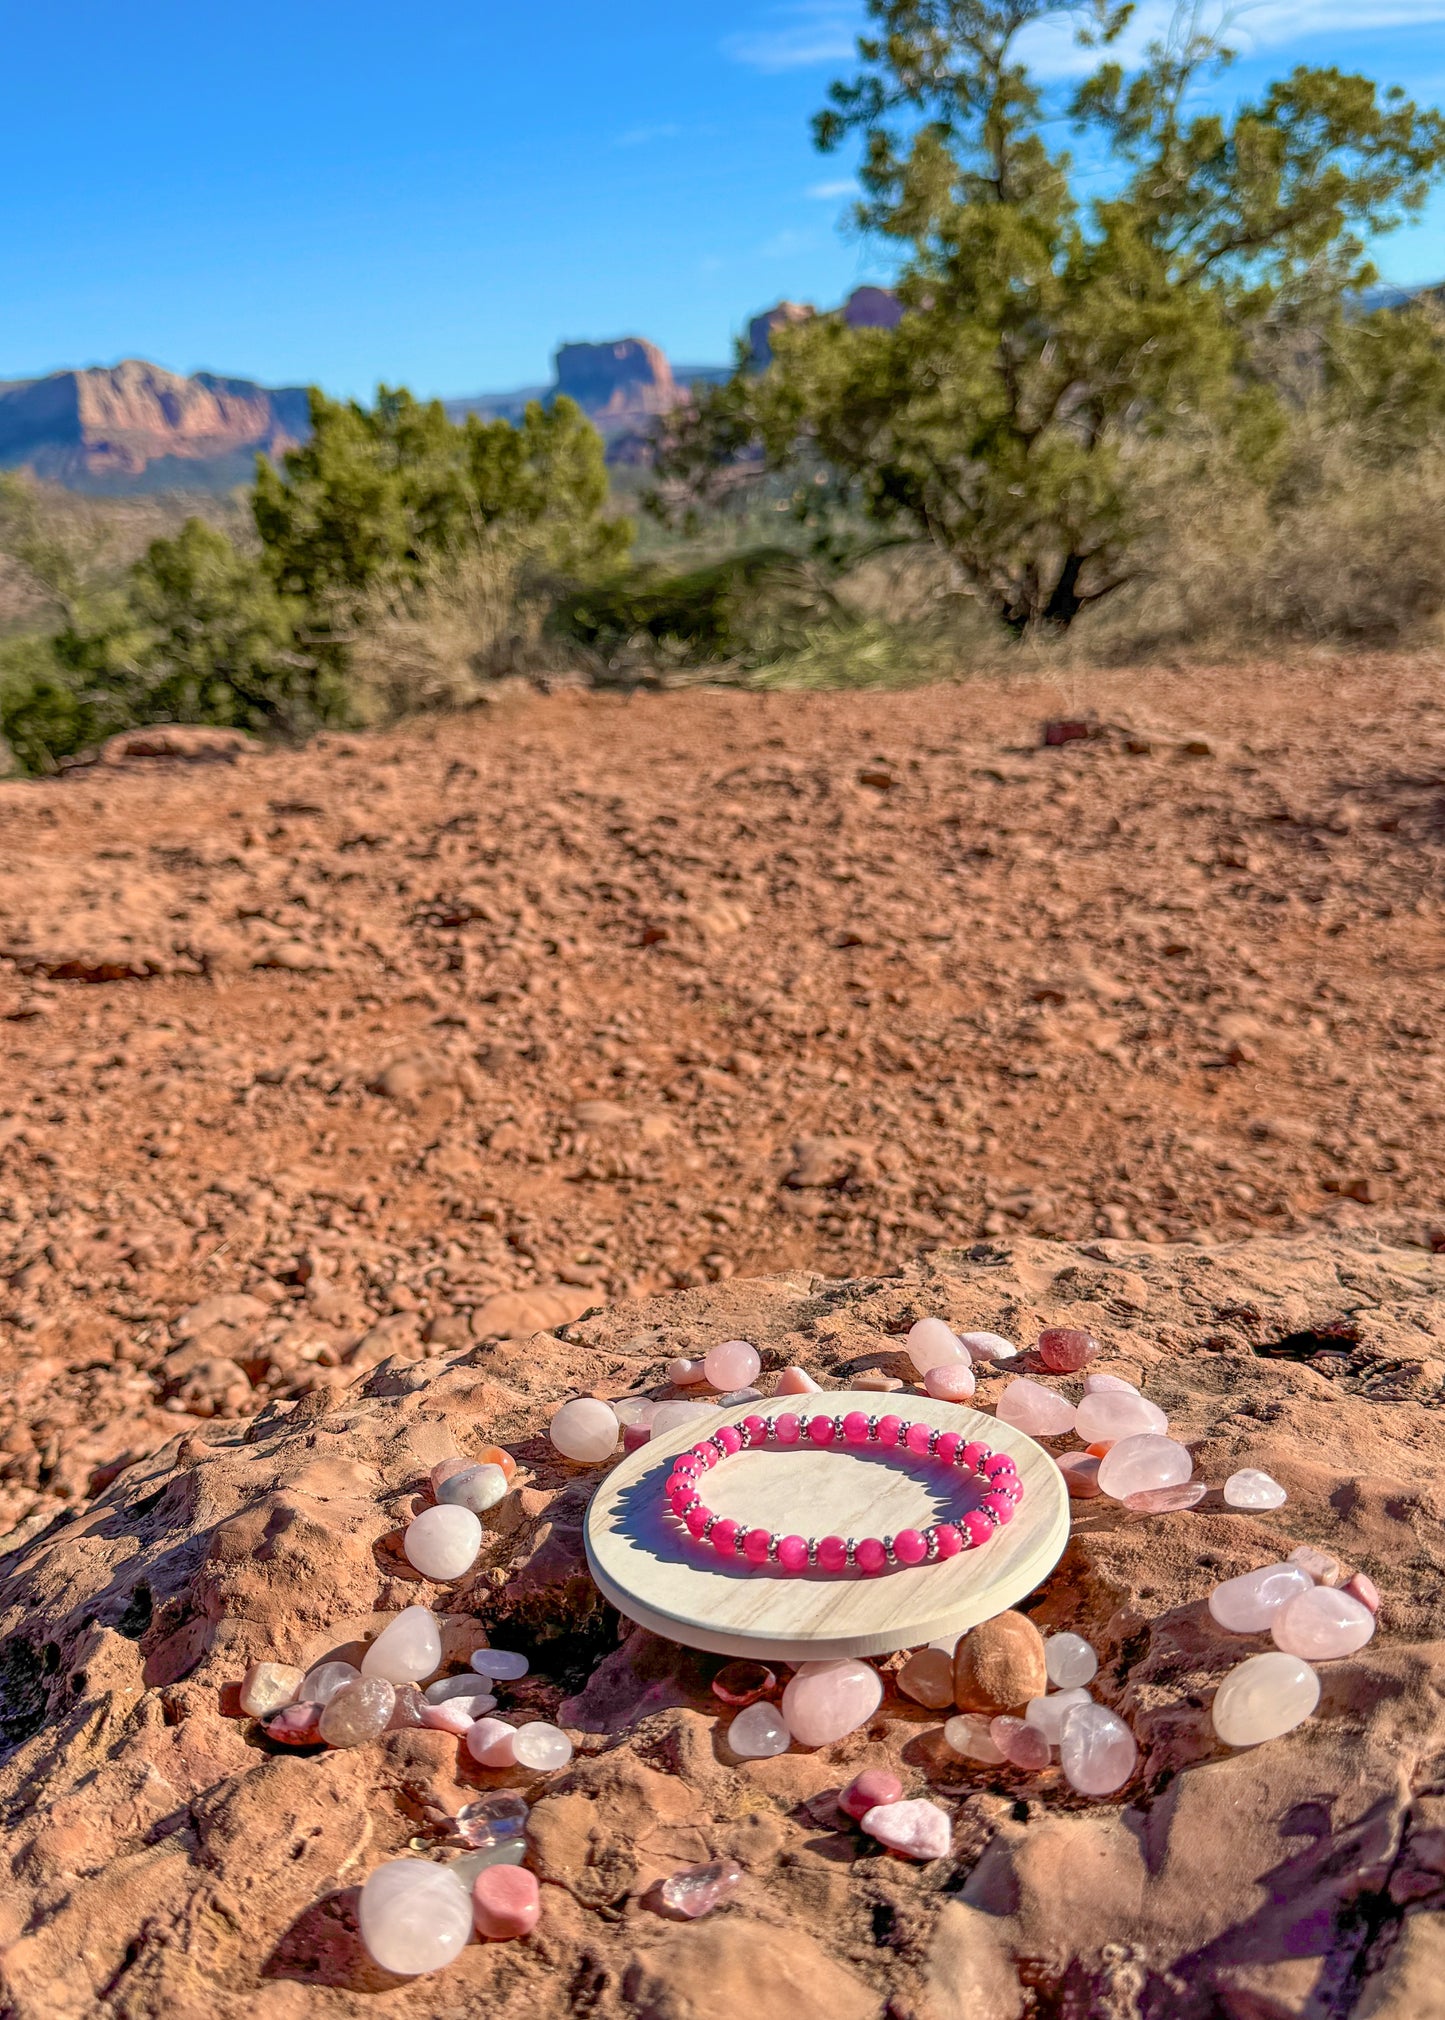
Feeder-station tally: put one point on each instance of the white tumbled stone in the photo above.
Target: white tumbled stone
(479, 1488)
(1142, 1464)
(1247, 1604)
(443, 1543)
(541, 1746)
(1070, 1660)
(1048, 1713)
(989, 1346)
(932, 1344)
(1097, 1751)
(1264, 1697)
(407, 1648)
(320, 1685)
(502, 1664)
(268, 1687)
(586, 1431)
(1249, 1488)
(414, 1916)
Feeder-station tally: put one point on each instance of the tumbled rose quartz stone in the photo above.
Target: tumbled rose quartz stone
(951, 1381)
(825, 1700)
(360, 1712)
(1021, 1744)
(797, 1382)
(927, 1677)
(1081, 1475)
(1248, 1604)
(268, 1687)
(1030, 1407)
(697, 1890)
(478, 1488)
(506, 1902)
(1322, 1625)
(1321, 1566)
(989, 1346)
(759, 1731)
(502, 1664)
(1096, 1382)
(733, 1365)
(1250, 1488)
(586, 1431)
(294, 1725)
(541, 1746)
(1364, 1588)
(407, 1649)
(1096, 1750)
(1065, 1349)
(490, 1743)
(1069, 1660)
(414, 1916)
(1166, 1500)
(1048, 1713)
(916, 1830)
(932, 1344)
(969, 1736)
(1107, 1415)
(669, 1417)
(868, 1791)
(743, 1683)
(445, 1469)
(1135, 1465)
(456, 1715)
(468, 1689)
(443, 1543)
(1264, 1697)
(685, 1374)
(321, 1684)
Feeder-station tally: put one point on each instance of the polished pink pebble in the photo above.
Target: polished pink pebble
(955, 1382)
(1081, 1475)
(870, 1556)
(1166, 1500)
(1020, 1743)
(796, 1382)
(1364, 1588)
(909, 1547)
(868, 1790)
(1065, 1349)
(506, 1903)
(1322, 1624)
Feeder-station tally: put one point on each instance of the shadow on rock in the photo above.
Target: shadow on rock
(323, 1946)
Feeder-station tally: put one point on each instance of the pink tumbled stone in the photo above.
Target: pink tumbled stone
(1248, 1604)
(988, 1346)
(952, 1382)
(1166, 1500)
(1364, 1588)
(686, 1374)
(916, 1830)
(826, 1700)
(797, 1382)
(447, 1469)
(1096, 1382)
(1135, 1465)
(869, 1791)
(1096, 1750)
(506, 1902)
(697, 1890)
(1322, 1625)
(294, 1725)
(1081, 1475)
(451, 1715)
(932, 1344)
(1107, 1415)
(1066, 1349)
(490, 1742)
(733, 1365)
(1030, 1407)
(1021, 1744)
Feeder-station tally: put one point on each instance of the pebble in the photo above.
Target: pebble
(1264, 1697)
(951, 1381)
(733, 1365)
(686, 1374)
(1166, 1500)
(360, 1712)
(1322, 1624)
(1030, 1407)
(1048, 1713)
(446, 1469)
(969, 1736)
(867, 1791)
(501, 1664)
(508, 1852)
(1066, 1349)
(478, 1488)
(917, 1830)
(455, 1715)
(490, 1742)
(1250, 1488)
(268, 1687)
(506, 1902)
(826, 1700)
(1070, 1660)
(1081, 1475)
(1321, 1567)
(932, 1344)
(1364, 1588)
(443, 1543)
(1097, 1751)
(409, 1710)
(797, 1382)
(989, 1346)
(1135, 1465)
(874, 1379)
(927, 1677)
(1021, 1744)
(492, 1820)
(321, 1684)
(758, 1732)
(466, 1689)
(634, 1410)
(695, 1891)
(1107, 1415)
(294, 1724)
(1248, 1604)
(493, 1455)
(586, 1431)
(415, 1916)
(541, 1746)
(1102, 1382)
(742, 1683)
(999, 1665)
(407, 1648)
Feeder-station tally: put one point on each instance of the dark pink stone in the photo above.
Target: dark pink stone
(867, 1791)
(744, 1682)
(832, 1553)
(1065, 1349)
(1364, 1588)
(870, 1556)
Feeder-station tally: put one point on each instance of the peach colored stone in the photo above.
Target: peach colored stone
(932, 1344)
(796, 1382)
(951, 1381)
(506, 1903)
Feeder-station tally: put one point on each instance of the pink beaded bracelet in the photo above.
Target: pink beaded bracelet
(873, 1554)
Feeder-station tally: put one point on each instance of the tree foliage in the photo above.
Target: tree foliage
(1048, 337)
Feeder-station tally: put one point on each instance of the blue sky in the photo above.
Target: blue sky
(436, 195)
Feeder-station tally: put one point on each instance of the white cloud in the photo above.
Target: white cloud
(830, 192)
(808, 32)
(1052, 52)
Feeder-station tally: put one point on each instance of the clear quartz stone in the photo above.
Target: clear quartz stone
(1070, 1660)
(268, 1687)
(1249, 1488)
(1248, 1604)
(697, 1890)
(492, 1820)
(321, 1684)
(1048, 1713)
(758, 1731)
(360, 1712)
(415, 1916)
(542, 1747)
(1096, 1750)
(968, 1735)
(407, 1648)
(501, 1664)
(1264, 1697)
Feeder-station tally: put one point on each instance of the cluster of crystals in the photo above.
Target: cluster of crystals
(1310, 1616)
(444, 1541)
(870, 1554)
(1096, 1750)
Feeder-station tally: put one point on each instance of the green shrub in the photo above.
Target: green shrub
(746, 609)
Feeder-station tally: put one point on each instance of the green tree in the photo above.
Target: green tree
(1048, 339)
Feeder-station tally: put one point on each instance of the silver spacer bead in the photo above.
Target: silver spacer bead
(838, 1429)
(812, 1549)
(873, 1430)
(888, 1550)
(708, 1527)
(850, 1550)
(930, 1537)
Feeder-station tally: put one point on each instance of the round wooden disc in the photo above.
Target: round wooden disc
(659, 1577)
